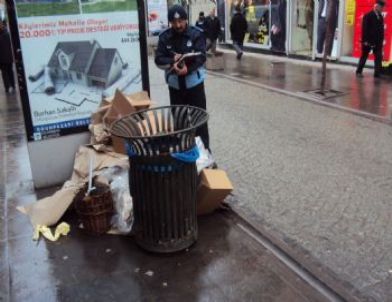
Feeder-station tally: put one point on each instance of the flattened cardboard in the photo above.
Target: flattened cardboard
(118, 145)
(120, 107)
(213, 189)
(123, 105)
(97, 116)
(144, 127)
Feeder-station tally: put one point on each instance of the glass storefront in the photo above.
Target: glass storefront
(266, 22)
(298, 27)
(278, 25)
(348, 29)
(301, 27)
(257, 14)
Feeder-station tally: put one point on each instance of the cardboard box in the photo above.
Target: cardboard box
(107, 101)
(97, 116)
(215, 61)
(144, 127)
(118, 144)
(213, 189)
(120, 107)
(139, 100)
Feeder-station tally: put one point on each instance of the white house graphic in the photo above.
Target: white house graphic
(85, 63)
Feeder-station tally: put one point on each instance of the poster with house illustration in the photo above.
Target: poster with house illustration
(85, 58)
(85, 63)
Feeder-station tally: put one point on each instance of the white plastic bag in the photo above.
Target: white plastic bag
(117, 177)
(205, 159)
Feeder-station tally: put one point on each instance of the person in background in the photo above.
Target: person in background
(322, 22)
(200, 23)
(238, 28)
(372, 38)
(212, 30)
(184, 78)
(6, 59)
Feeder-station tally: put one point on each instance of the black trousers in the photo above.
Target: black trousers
(8, 76)
(194, 96)
(321, 33)
(377, 51)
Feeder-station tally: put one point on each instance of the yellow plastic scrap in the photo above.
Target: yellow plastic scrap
(62, 229)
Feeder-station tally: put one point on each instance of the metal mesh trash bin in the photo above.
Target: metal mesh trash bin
(163, 187)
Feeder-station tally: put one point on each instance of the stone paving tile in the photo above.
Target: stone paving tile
(82, 267)
(317, 178)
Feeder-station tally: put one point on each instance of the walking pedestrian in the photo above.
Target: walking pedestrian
(238, 28)
(200, 22)
(184, 78)
(212, 30)
(6, 59)
(372, 38)
(322, 22)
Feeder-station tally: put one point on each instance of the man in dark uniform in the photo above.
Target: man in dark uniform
(372, 38)
(185, 81)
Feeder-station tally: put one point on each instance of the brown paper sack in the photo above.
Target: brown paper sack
(49, 210)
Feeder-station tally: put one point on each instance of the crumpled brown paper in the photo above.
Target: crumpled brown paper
(49, 210)
(99, 134)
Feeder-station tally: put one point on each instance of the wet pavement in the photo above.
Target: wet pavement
(298, 78)
(315, 180)
(227, 263)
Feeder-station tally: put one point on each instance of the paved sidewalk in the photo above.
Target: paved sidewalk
(316, 179)
(368, 96)
(226, 264)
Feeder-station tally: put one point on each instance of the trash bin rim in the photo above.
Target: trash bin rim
(159, 135)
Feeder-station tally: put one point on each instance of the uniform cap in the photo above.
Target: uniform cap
(177, 12)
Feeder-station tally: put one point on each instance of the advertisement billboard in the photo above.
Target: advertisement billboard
(74, 53)
(157, 16)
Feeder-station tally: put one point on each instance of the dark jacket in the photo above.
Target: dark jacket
(212, 28)
(5, 48)
(238, 27)
(170, 43)
(373, 29)
(335, 11)
(200, 23)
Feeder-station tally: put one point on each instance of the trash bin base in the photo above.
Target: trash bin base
(167, 247)
(164, 196)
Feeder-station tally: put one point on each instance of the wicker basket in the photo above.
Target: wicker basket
(96, 210)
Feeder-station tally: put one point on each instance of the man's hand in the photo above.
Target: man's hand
(177, 56)
(181, 71)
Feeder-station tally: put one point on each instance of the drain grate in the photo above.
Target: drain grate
(241, 76)
(326, 94)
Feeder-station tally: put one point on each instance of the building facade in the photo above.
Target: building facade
(297, 27)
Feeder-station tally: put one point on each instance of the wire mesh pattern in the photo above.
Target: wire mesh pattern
(164, 204)
(161, 130)
(163, 188)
